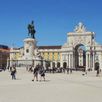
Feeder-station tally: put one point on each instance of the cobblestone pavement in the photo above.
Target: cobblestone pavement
(58, 87)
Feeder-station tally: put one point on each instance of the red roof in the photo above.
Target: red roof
(7, 50)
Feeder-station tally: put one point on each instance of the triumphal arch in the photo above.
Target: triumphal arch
(81, 50)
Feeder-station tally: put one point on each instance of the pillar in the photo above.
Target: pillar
(55, 64)
(51, 65)
(93, 61)
(69, 61)
(87, 61)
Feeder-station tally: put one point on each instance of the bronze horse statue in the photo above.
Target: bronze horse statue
(31, 30)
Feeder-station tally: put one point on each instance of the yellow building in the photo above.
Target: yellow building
(52, 54)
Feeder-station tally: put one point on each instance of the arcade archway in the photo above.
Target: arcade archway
(96, 66)
(47, 64)
(64, 65)
(80, 57)
(58, 64)
(53, 64)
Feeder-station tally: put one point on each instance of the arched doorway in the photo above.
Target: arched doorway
(47, 64)
(96, 66)
(53, 65)
(58, 64)
(64, 65)
(80, 57)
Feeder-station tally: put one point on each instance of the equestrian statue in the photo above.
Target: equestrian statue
(31, 30)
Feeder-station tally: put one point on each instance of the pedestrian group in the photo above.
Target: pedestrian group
(39, 70)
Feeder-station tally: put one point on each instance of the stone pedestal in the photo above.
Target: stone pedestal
(29, 46)
(31, 54)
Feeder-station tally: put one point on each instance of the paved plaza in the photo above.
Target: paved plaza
(58, 87)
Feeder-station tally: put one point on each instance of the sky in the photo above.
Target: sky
(53, 19)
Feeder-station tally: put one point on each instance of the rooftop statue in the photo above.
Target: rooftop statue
(80, 28)
(31, 30)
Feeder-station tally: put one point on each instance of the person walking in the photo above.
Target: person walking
(42, 73)
(13, 72)
(35, 73)
(67, 70)
(98, 71)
